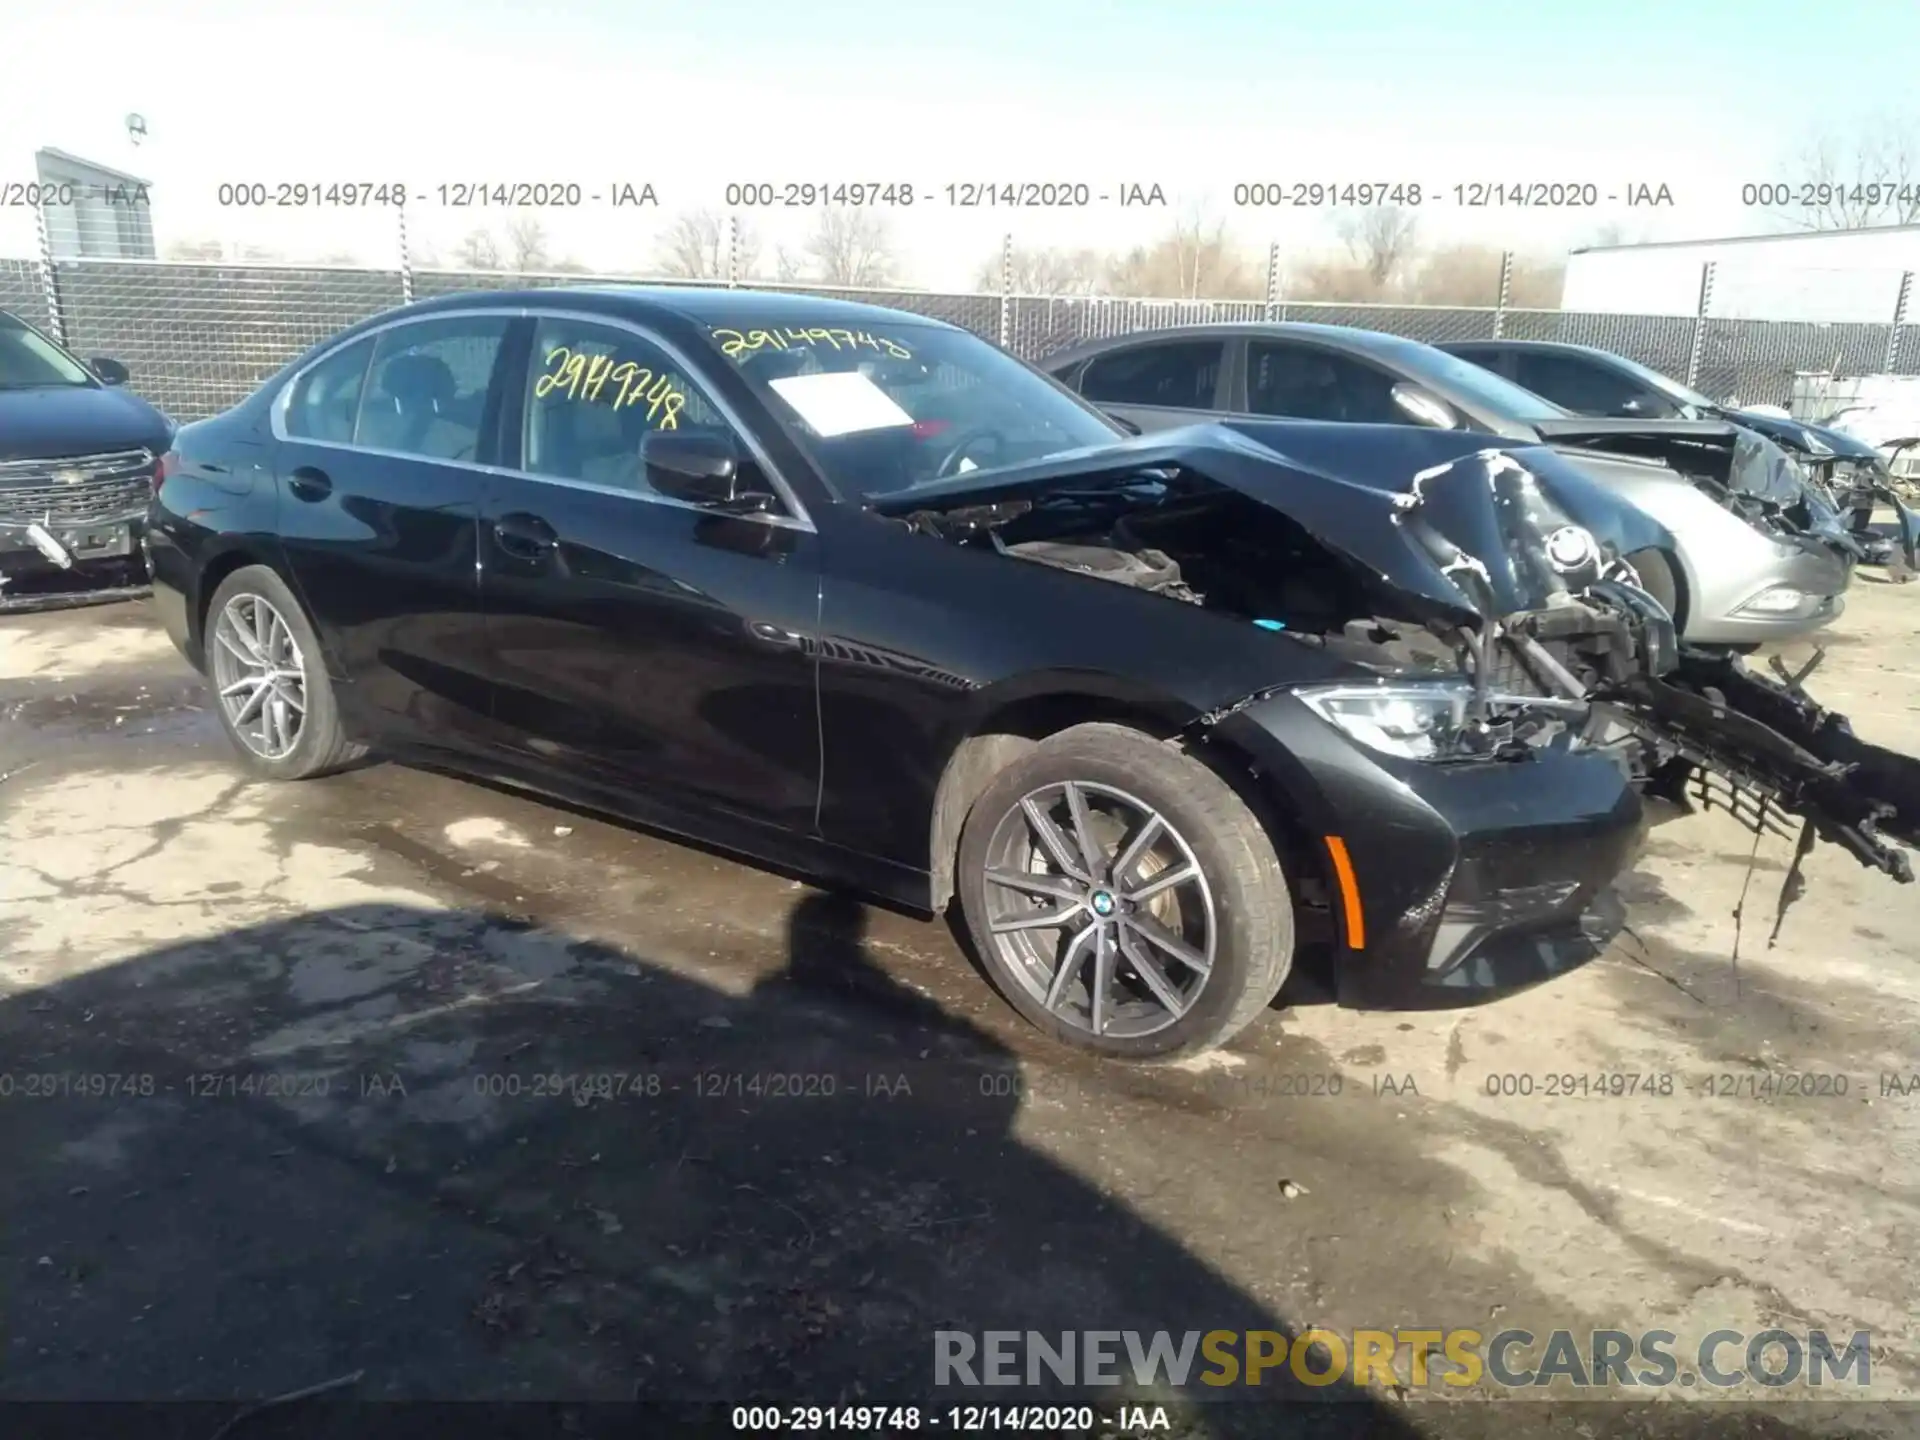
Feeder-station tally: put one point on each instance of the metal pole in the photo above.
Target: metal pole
(49, 283)
(1273, 280)
(1505, 294)
(1892, 360)
(1006, 290)
(733, 251)
(1700, 324)
(406, 256)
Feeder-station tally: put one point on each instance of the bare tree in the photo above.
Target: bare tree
(1196, 260)
(786, 265)
(478, 250)
(527, 244)
(1381, 240)
(694, 247)
(1470, 275)
(1045, 272)
(851, 247)
(1850, 181)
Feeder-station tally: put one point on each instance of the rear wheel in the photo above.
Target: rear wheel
(1122, 897)
(270, 685)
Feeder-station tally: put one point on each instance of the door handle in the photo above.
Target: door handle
(309, 483)
(526, 537)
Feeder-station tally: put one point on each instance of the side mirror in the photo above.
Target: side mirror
(702, 469)
(111, 372)
(1423, 407)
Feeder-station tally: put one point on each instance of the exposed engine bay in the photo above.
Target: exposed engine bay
(1499, 587)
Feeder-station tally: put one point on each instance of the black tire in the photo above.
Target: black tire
(1253, 911)
(1659, 579)
(321, 746)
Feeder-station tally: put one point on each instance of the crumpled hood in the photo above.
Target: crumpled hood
(1798, 436)
(1457, 523)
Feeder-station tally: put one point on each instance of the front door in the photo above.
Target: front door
(639, 642)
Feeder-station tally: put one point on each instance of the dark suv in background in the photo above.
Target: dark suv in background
(1598, 382)
(79, 457)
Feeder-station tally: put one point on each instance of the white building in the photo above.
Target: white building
(1835, 276)
(95, 210)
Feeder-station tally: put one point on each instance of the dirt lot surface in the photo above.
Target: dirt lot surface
(399, 1074)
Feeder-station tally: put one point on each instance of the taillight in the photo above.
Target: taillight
(166, 465)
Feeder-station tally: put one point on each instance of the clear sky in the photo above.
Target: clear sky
(1192, 96)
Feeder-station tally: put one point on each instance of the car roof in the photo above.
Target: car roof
(1559, 346)
(703, 305)
(1345, 337)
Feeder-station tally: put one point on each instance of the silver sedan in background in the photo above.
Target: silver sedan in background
(1761, 557)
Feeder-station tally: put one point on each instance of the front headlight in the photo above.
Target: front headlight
(1411, 721)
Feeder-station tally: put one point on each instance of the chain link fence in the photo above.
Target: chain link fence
(200, 337)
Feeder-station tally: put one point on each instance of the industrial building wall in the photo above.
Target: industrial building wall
(1837, 277)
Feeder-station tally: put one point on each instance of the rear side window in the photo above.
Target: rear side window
(327, 398)
(1180, 374)
(1489, 357)
(427, 389)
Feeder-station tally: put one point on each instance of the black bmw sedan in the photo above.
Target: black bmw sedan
(857, 593)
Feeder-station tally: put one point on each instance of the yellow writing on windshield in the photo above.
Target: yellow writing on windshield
(737, 344)
(576, 375)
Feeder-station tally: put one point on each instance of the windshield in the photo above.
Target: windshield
(1495, 394)
(28, 360)
(1672, 389)
(885, 408)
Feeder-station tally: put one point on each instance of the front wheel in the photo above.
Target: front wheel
(270, 683)
(1122, 897)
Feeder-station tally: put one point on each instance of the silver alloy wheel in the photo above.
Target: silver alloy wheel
(1098, 907)
(260, 675)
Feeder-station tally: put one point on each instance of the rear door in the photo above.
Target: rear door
(1161, 384)
(640, 643)
(381, 456)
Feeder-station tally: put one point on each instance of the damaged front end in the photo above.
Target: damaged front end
(1492, 576)
(72, 530)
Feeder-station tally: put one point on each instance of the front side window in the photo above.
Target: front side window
(882, 409)
(326, 399)
(1582, 387)
(426, 390)
(30, 361)
(1181, 375)
(595, 394)
(1304, 382)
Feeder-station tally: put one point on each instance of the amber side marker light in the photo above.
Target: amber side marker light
(1349, 893)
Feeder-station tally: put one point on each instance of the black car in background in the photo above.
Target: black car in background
(860, 594)
(1595, 382)
(78, 458)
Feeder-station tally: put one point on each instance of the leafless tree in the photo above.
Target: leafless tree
(851, 247)
(1849, 181)
(1382, 241)
(1470, 275)
(1196, 260)
(786, 265)
(527, 244)
(1045, 272)
(478, 250)
(694, 247)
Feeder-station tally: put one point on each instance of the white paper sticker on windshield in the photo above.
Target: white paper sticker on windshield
(840, 402)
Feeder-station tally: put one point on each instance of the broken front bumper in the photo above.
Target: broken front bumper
(50, 567)
(1470, 879)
